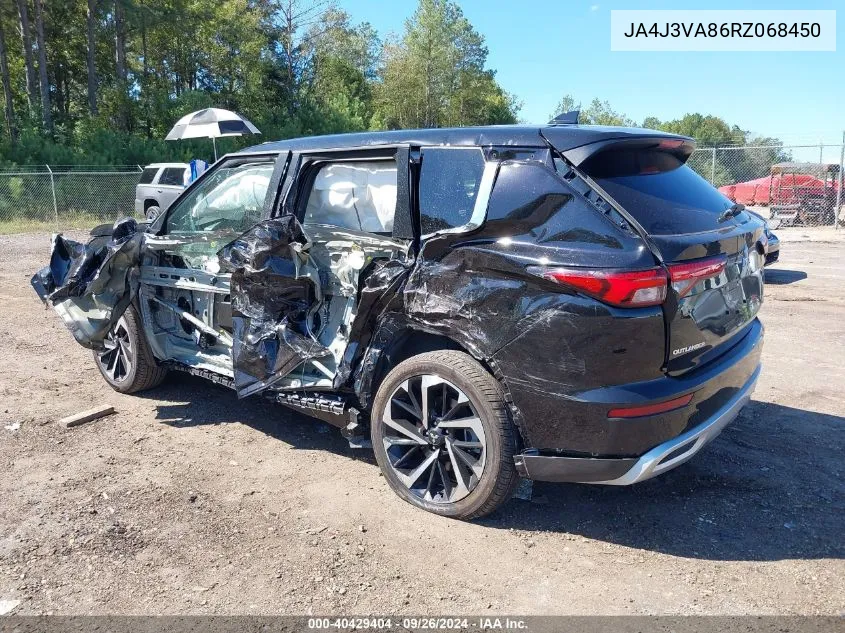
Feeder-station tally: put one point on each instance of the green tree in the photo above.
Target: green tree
(343, 65)
(435, 75)
(598, 112)
(566, 104)
(707, 130)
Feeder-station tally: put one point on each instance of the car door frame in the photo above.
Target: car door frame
(300, 178)
(158, 226)
(152, 275)
(295, 176)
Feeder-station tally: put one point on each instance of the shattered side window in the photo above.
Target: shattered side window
(232, 197)
(354, 195)
(449, 183)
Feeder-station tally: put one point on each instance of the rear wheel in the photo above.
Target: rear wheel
(443, 436)
(127, 363)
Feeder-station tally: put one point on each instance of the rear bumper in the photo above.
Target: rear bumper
(627, 471)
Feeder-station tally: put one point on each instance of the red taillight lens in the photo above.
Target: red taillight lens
(625, 289)
(670, 143)
(685, 276)
(650, 409)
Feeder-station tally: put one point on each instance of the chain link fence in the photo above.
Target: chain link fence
(48, 198)
(798, 185)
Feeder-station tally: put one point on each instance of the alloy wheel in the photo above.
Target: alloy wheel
(434, 439)
(119, 354)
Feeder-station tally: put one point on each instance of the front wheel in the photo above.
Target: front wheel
(443, 436)
(152, 212)
(127, 363)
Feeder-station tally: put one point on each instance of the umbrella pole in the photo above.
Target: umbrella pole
(214, 142)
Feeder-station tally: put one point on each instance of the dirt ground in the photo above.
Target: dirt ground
(190, 501)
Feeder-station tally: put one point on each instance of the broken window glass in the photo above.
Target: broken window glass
(449, 183)
(230, 198)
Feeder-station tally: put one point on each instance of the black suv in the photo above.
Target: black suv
(562, 302)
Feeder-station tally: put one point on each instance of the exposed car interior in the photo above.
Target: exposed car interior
(185, 298)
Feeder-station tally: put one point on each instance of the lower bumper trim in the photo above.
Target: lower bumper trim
(571, 469)
(624, 472)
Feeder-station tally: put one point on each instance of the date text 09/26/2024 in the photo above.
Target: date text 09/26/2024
(418, 623)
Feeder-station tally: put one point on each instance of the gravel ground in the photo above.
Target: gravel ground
(190, 501)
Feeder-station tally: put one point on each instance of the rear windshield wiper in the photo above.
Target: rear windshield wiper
(732, 211)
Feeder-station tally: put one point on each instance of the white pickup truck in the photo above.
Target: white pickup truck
(159, 186)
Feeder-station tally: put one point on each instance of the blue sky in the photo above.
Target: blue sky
(542, 49)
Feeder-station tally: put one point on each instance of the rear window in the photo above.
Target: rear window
(664, 195)
(449, 183)
(173, 176)
(148, 175)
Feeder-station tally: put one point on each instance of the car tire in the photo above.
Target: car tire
(127, 364)
(152, 212)
(469, 428)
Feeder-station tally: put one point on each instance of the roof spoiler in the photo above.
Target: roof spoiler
(679, 146)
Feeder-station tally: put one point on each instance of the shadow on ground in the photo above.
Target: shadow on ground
(769, 488)
(198, 402)
(782, 277)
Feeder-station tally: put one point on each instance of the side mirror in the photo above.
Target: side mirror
(123, 229)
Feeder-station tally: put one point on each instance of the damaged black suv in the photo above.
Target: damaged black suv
(560, 302)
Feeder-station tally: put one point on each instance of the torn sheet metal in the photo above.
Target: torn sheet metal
(91, 285)
(381, 285)
(273, 285)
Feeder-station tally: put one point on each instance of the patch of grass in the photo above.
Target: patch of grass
(26, 225)
(67, 222)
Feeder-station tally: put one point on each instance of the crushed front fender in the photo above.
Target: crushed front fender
(91, 285)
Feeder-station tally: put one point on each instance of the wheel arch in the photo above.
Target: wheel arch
(410, 341)
(150, 202)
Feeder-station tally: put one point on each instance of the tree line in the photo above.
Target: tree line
(102, 81)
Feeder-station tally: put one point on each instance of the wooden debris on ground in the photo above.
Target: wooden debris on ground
(86, 416)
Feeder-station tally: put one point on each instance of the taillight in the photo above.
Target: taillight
(624, 289)
(650, 409)
(684, 276)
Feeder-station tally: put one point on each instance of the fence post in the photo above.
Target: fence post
(53, 189)
(837, 207)
(713, 168)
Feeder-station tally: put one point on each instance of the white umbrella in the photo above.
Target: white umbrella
(211, 123)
